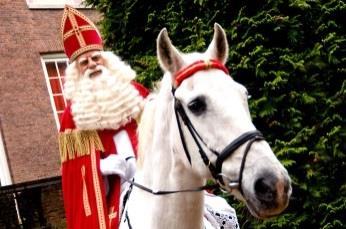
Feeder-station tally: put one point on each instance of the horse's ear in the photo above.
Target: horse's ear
(218, 48)
(168, 56)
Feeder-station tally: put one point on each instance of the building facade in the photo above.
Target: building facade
(32, 68)
(31, 98)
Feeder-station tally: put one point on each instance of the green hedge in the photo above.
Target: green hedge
(291, 57)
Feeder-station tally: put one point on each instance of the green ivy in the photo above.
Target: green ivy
(291, 55)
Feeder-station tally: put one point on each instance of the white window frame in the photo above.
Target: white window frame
(59, 57)
(5, 174)
(55, 4)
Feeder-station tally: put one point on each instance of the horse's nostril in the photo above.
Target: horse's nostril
(265, 189)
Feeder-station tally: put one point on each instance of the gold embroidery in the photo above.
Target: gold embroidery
(81, 28)
(84, 49)
(97, 188)
(86, 203)
(76, 29)
(112, 215)
(68, 11)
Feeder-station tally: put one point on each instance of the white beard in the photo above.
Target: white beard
(106, 101)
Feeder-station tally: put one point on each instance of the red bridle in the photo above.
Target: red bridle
(200, 65)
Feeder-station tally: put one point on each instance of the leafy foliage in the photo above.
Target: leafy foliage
(291, 57)
(130, 28)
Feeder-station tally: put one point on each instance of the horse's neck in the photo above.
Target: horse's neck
(163, 168)
(183, 210)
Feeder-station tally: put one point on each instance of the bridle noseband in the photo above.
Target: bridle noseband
(250, 136)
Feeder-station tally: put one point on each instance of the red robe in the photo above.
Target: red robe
(86, 205)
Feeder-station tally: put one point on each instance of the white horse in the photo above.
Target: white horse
(199, 127)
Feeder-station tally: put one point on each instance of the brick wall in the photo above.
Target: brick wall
(53, 207)
(28, 125)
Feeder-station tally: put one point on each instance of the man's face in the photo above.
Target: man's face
(88, 62)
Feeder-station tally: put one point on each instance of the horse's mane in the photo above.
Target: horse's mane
(145, 127)
(159, 97)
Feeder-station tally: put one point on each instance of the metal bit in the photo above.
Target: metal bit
(233, 185)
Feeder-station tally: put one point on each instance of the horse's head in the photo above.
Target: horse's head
(216, 108)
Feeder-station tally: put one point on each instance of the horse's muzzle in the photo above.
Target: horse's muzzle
(271, 195)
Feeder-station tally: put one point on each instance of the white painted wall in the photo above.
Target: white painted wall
(5, 176)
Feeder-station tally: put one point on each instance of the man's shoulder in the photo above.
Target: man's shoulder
(67, 119)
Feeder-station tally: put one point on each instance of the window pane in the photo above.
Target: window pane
(51, 69)
(55, 85)
(62, 67)
(54, 68)
(59, 102)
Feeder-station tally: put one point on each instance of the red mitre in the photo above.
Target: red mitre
(79, 34)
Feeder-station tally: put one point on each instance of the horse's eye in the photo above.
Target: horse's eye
(198, 105)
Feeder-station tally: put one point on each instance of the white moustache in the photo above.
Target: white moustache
(91, 73)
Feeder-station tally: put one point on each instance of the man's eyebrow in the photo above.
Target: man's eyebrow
(82, 59)
(96, 54)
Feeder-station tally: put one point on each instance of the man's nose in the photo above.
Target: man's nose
(91, 64)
